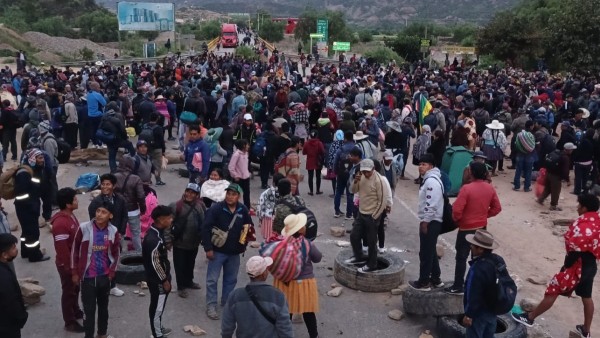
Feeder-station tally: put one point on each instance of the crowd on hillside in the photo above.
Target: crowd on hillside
(353, 120)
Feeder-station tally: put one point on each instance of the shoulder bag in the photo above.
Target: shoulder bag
(219, 237)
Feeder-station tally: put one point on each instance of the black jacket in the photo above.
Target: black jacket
(480, 280)
(154, 255)
(120, 217)
(219, 216)
(145, 109)
(13, 315)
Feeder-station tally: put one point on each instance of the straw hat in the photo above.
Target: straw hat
(394, 125)
(293, 223)
(586, 113)
(495, 125)
(360, 136)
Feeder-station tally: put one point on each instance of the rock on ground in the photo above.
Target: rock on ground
(396, 314)
(337, 231)
(528, 304)
(335, 292)
(440, 250)
(194, 330)
(31, 290)
(343, 244)
(537, 280)
(65, 46)
(426, 334)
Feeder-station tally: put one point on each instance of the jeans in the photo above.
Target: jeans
(9, 136)
(581, 176)
(230, 265)
(136, 231)
(95, 291)
(266, 167)
(484, 326)
(463, 249)
(365, 225)
(429, 267)
(340, 187)
(112, 153)
(381, 230)
(524, 167)
(70, 133)
(311, 174)
(184, 261)
(245, 185)
(93, 125)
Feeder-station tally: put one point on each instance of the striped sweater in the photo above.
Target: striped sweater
(154, 255)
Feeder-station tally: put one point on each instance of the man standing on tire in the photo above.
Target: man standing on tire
(479, 319)
(64, 227)
(119, 213)
(431, 211)
(94, 261)
(184, 236)
(233, 217)
(374, 197)
(476, 202)
(158, 268)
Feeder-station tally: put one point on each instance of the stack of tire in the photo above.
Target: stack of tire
(449, 310)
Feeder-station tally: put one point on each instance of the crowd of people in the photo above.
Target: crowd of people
(354, 121)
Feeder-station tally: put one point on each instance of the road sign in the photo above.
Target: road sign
(323, 28)
(457, 50)
(315, 36)
(425, 42)
(341, 46)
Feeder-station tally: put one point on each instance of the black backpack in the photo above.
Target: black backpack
(552, 160)
(311, 220)
(59, 115)
(503, 298)
(431, 120)
(480, 121)
(147, 135)
(343, 165)
(64, 149)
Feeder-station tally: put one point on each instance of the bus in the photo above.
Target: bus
(229, 35)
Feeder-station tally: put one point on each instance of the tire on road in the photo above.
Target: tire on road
(433, 303)
(388, 277)
(130, 269)
(450, 327)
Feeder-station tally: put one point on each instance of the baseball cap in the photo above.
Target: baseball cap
(247, 117)
(235, 187)
(193, 186)
(570, 146)
(256, 265)
(141, 143)
(367, 165)
(387, 155)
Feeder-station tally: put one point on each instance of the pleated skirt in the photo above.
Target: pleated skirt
(302, 295)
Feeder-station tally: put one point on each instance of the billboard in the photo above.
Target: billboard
(146, 16)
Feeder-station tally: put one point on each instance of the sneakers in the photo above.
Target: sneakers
(415, 284)
(454, 291)
(75, 327)
(437, 284)
(365, 269)
(355, 261)
(160, 183)
(382, 250)
(182, 293)
(195, 286)
(117, 292)
(211, 312)
(522, 318)
(555, 208)
(165, 331)
(349, 218)
(582, 331)
(337, 214)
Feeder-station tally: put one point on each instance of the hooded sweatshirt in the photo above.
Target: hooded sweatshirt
(131, 187)
(431, 197)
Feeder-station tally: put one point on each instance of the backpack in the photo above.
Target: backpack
(311, 220)
(7, 181)
(448, 223)
(431, 120)
(480, 121)
(59, 115)
(525, 142)
(552, 160)
(258, 148)
(503, 299)
(64, 149)
(88, 182)
(147, 135)
(281, 162)
(344, 165)
(288, 257)
(107, 132)
(412, 114)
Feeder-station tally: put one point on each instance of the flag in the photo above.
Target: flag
(423, 106)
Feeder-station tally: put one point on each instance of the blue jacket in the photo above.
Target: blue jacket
(220, 217)
(480, 285)
(198, 146)
(93, 99)
(342, 153)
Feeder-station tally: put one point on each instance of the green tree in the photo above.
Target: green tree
(407, 46)
(86, 54)
(98, 26)
(209, 30)
(245, 52)
(510, 37)
(272, 31)
(384, 55)
(15, 18)
(337, 29)
(365, 36)
(54, 26)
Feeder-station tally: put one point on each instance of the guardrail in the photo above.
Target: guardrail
(213, 43)
(269, 45)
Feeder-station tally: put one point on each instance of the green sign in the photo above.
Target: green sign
(323, 28)
(341, 46)
(314, 36)
(425, 42)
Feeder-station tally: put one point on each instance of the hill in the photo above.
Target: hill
(369, 14)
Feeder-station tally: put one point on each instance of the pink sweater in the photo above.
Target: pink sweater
(238, 165)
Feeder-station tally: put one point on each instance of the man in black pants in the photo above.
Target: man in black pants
(158, 268)
(13, 315)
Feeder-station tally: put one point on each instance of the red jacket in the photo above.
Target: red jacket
(64, 227)
(81, 251)
(315, 152)
(476, 202)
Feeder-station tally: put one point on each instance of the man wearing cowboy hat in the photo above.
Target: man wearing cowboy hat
(479, 318)
(480, 157)
(369, 150)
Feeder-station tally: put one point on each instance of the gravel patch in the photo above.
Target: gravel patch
(65, 46)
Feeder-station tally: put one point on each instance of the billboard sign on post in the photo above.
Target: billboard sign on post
(146, 16)
(323, 28)
(341, 46)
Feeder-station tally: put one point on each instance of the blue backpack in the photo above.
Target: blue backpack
(88, 182)
(259, 147)
(502, 299)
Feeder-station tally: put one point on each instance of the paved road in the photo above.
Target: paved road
(353, 314)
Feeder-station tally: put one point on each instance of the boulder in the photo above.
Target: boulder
(396, 314)
(337, 231)
(335, 292)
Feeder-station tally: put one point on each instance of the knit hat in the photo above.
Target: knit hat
(31, 156)
(44, 127)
